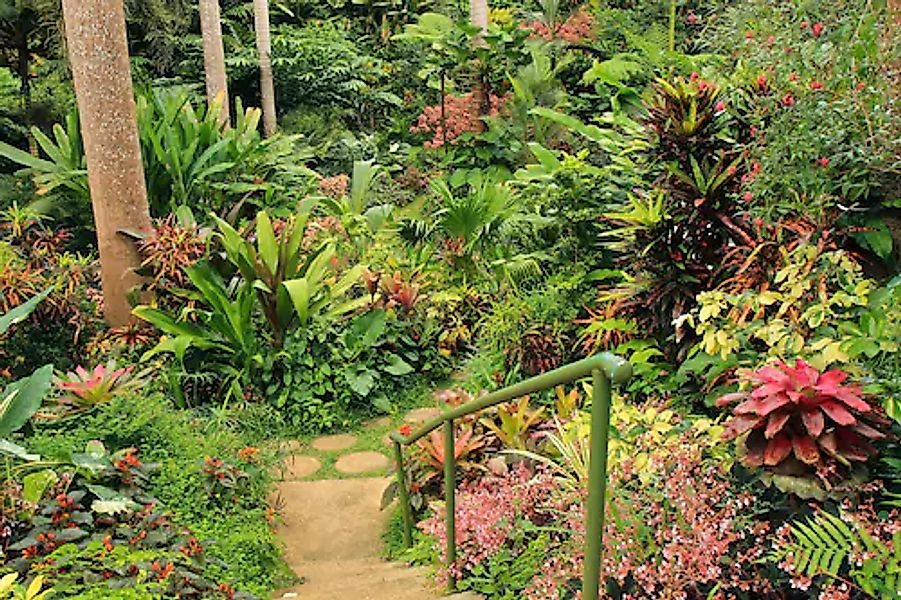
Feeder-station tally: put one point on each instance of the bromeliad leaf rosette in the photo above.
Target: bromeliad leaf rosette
(798, 421)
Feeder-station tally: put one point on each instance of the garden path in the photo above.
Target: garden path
(332, 528)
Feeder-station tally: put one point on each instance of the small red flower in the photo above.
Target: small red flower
(748, 196)
(720, 106)
(248, 453)
(816, 85)
(749, 35)
(823, 161)
(761, 81)
(804, 24)
(788, 100)
(694, 76)
(817, 29)
(770, 40)
(793, 76)
(405, 430)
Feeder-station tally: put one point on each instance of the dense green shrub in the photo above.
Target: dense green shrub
(319, 65)
(235, 528)
(327, 374)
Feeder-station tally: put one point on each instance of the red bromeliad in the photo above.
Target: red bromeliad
(799, 416)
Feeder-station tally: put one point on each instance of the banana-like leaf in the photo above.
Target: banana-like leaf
(22, 398)
(21, 312)
(266, 243)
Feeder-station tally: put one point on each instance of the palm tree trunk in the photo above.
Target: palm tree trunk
(23, 68)
(98, 53)
(264, 46)
(478, 17)
(214, 58)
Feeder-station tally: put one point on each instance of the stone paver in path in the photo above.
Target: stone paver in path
(377, 423)
(297, 467)
(421, 415)
(361, 462)
(334, 443)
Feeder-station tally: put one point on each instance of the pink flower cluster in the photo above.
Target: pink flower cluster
(486, 512)
(579, 26)
(461, 115)
(334, 187)
(677, 518)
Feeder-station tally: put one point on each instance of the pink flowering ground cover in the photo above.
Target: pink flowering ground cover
(679, 527)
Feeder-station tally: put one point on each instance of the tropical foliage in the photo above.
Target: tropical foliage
(708, 189)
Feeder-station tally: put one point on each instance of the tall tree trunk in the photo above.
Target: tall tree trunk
(264, 46)
(214, 58)
(98, 52)
(23, 68)
(478, 17)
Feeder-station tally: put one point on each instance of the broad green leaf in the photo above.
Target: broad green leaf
(16, 451)
(21, 312)
(22, 398)
(360, 381)
(35, 485)
(266, 243)
(300, 290)
(397, 366)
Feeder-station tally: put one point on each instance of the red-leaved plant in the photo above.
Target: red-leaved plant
(800, 421)
(84, 389)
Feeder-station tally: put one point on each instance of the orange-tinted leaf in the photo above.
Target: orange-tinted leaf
(829, 443)
(777, 450)
(755, 445)
(762, 407)
(837, 413)
(867, 431)
(730, 398)
(814, 421)
(776, 422)
(805, 449)
(739, 425)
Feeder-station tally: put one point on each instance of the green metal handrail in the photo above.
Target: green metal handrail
(605, 369)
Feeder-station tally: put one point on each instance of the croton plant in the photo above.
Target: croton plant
(801, 422)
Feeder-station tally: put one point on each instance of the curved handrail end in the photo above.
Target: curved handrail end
(617, 369)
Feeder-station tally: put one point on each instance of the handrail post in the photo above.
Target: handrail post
(597, 485)
(403, 495)
(450, 483)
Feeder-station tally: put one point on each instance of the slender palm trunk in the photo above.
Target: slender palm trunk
(214, 58)
(264, 46)
(478, 17)
(23, 68)
(98, 53)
